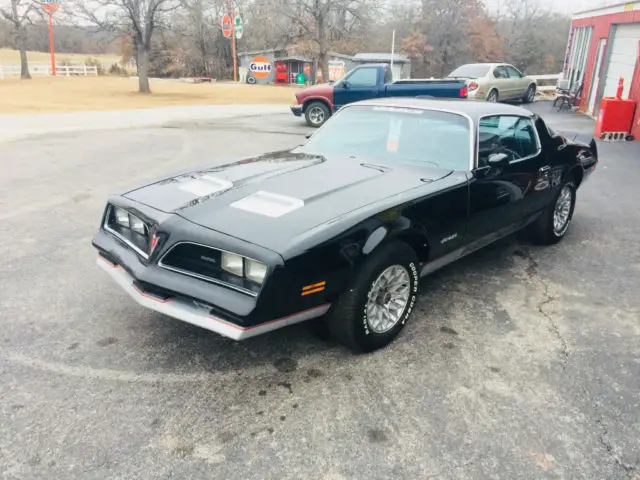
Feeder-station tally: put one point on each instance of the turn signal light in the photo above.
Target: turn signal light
(313, 288)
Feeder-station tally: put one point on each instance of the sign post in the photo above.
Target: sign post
(232, 28)
(233, 48)
(51, 7)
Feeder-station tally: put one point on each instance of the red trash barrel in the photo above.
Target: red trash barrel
(616, 116)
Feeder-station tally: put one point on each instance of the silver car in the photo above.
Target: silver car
(496, 82)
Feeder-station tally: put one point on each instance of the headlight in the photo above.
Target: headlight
(131, 229)
(137, 225)
(121, 216)
(233, 263)
(255, 271)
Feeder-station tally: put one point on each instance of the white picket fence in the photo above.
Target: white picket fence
(45, 70)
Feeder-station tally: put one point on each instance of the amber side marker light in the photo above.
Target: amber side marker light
(314, 288)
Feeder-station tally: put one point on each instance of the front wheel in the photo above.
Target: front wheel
(316, 114)
(554, 223)
(380, 300)
(530, 95)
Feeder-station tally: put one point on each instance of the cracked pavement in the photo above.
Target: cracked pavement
(520, 362)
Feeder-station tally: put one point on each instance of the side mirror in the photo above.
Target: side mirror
(345, 84)
(496, 158)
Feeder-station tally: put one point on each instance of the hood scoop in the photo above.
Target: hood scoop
(269, 204)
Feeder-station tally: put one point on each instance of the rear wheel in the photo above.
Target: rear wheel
(493, 96)
(552, 226)
(380, 300)
(316, 114)
(530, 95)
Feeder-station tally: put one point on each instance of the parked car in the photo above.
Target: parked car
(367, 82)
(344, 225)
(496, 82)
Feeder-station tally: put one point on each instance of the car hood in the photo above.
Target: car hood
(272, 199)
(323, 90)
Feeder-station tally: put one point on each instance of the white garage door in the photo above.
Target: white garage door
(624, 55)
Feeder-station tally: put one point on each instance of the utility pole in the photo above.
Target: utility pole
(393, 49)
(232, 6)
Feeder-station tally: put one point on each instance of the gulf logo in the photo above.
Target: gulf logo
(260, 67)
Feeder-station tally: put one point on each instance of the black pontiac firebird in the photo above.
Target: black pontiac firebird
(343, 226)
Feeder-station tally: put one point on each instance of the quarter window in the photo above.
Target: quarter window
(500, 72)
(507, 134)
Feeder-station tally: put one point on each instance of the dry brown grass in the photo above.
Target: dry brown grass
(73, 94)
(12, 57)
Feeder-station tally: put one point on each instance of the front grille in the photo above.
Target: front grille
(204, 263)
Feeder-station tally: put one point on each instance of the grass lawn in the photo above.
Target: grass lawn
(12, 57)
(74, 94)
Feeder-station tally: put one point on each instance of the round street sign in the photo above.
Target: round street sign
(50, 6)
(239, 26)
(226, 26)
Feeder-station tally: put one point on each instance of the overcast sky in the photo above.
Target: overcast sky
(565, 6)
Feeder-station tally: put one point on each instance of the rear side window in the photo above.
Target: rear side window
(363, 77)
(500, 72)
(512, 135)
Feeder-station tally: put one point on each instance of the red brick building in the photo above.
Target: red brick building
(604, 45)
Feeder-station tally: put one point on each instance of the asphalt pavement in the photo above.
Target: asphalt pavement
(521, 362)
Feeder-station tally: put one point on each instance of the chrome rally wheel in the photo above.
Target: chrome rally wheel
(388, 299)
(380, 299)
(553, 224)
(562, 211)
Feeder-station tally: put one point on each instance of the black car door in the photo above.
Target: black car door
(509, 177)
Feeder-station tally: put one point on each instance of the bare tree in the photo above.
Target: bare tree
(198, 27)
(138, 18)
(322, 21)
(19, 15)
(534, 37)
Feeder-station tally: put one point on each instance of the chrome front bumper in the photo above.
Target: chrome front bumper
(190, 312)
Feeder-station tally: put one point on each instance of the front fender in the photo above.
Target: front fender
(325, 100)
(414, 235)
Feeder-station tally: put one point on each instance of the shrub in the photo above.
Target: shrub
(94, 62)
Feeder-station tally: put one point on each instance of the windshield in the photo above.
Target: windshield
(394, 134)
(473, 70)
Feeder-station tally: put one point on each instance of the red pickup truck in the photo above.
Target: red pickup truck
(366, 82)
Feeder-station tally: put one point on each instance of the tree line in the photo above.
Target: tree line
(184, 37)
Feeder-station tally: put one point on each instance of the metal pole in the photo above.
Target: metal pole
(233, 44)
(393, 47)
(52, 46)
